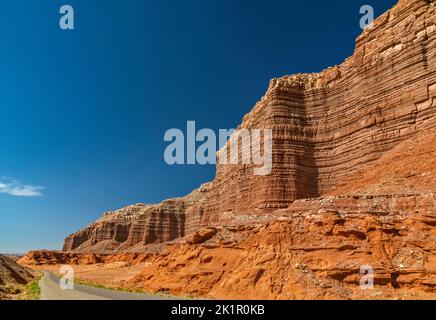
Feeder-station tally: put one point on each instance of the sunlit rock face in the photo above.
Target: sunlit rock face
(326, 127)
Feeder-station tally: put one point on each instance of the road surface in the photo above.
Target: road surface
(51, 290)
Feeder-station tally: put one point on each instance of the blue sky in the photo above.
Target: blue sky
(83, 113)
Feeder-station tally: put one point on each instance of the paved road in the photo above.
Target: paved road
(50, 290)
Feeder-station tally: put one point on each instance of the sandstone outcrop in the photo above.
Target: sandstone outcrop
(315, 248)
(312, 254)
(137, 225)
(47, 258)
(12, 278)
(382, 217)
(326, 127)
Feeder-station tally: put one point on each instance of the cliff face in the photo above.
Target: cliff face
(326, 127)
(382, 217)
(313, 250)
(135, 226)
(329, 124)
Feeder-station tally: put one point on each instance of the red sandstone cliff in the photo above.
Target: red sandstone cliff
(326, 127)
(137, 225)
(311, 250)
(353, 184)
(314, 249)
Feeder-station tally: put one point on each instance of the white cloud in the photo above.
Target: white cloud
(14, 188)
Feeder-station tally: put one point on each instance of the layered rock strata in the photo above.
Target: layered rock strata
(137, 225)
(316, 248)
(313, 250)
(326, 127)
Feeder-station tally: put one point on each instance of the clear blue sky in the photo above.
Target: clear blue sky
(83, 112)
